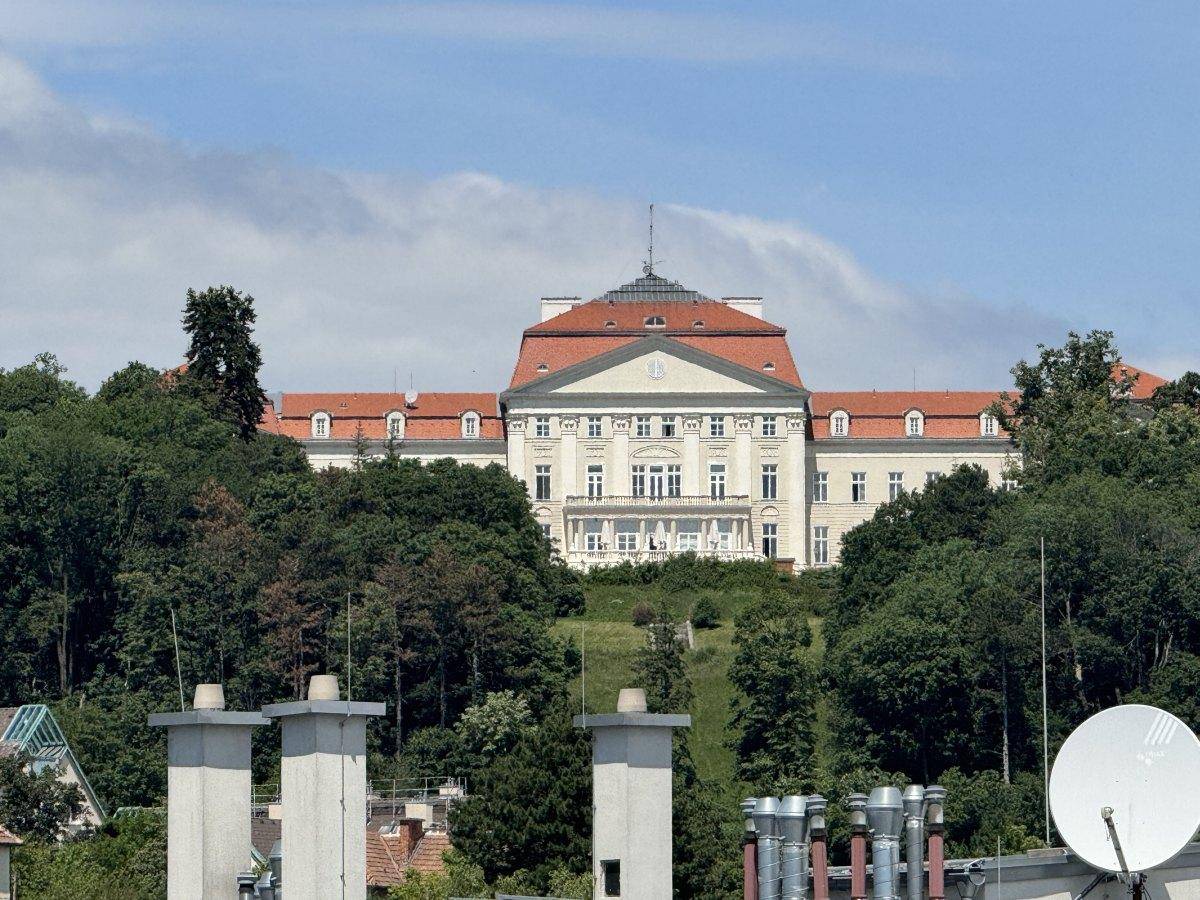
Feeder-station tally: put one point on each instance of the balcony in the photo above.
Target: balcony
(588, 559)
(694, 503)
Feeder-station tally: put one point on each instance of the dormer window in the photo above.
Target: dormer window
(470, 425)
(988, 426)
(768, 367)
(839, 423)
(914, 423)
(320, 424)
(655, 322)
(395, 426)
(542, 367)
(610, 324)
(699, 323)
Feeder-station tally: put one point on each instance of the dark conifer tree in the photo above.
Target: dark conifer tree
(222, 357)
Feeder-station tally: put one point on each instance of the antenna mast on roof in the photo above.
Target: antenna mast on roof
(648, 268)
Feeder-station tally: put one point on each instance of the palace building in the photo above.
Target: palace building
(655, 420)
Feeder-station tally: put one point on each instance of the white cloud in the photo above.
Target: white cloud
(105, 225)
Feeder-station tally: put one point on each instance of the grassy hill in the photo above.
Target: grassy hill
(612, 640)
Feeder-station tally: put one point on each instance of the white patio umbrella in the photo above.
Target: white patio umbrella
(660, 534)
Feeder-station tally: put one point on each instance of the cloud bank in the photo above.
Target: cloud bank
(365, 277)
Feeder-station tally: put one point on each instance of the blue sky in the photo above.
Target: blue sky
(978, 164)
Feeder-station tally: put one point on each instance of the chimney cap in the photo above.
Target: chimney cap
(631, 700)
(885, 811)
(209, 696)
(324, 687)
(764, 816)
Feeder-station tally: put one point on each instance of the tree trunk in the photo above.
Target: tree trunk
(64, 649)
(1004, 707)
(399, 677)
(442, 683)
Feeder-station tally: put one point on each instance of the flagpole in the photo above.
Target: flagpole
(1045, 714)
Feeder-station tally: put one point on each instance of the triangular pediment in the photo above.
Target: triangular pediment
(656, 365)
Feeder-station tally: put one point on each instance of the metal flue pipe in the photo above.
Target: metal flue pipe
(766, 826)
(857, 805)
(793, 826)
(914, 840)
(817, 838)
(749, 852)
(885, 818)
(935, 798)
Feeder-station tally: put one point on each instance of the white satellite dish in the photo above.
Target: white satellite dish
(410, 397)
(1130, 772)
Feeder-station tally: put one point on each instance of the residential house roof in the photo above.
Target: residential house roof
(432, 416)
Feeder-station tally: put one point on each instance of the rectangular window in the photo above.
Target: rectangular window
(687, 540)
(541, 482)
(770, 478)
(931, 477)
(820, 545)
(546, 530)
(988, 426)
(541, 427)
(820, 489)
(674, 480)
(895, 484)
(627, 541)
(716, 481)
(858, 487)
(914, 425)
(638, 481)
(716, 426)
(770, 545)
(593, 540)
(610, 870)
(594, 425)
(769, 426)
(668, 426)
(595, 481)
(319, 427)
(1008, 484)
(642, 425)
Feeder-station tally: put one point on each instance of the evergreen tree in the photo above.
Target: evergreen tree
(222, 357)
(659, 669)
(36, 805)
(774, 712)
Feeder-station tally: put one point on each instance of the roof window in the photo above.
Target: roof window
(768, 366)
(542, 367)
(610, 324)
(699, 323)
(655, 322)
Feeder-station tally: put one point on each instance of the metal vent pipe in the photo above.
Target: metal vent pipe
(766, 826)
(749, 852)
(793, 829)
(857, 805)
(914, 840)
(885, 818)
(817, 837)
(935, 798)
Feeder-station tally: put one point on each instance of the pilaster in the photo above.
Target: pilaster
(797, 496)
(514, 424)
(693, 464)
(743, 427)
(620, 475)
(568, 429)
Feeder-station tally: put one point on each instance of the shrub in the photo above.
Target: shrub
(642, 613)
(704, 613)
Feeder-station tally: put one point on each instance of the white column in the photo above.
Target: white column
(796, 545)
(208, 796)
(514, 423)
(620, 475)
(323, 788)
(567, 455)
(631, 797)
(692, 462)
(741, 464)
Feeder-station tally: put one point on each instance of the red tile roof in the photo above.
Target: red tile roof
(1144, 382)
(390, 856)
(579, 335)
(880, 414)
(383, 868)
(428, 855)
(434, 416)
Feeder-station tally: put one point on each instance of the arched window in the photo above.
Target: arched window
(914, 423)
(699, 323)
(610, 324)
(656, 322)
(768, 366)
(988, 426)
(320, 424)
(839, 423)
(470, 424)
(542, 367)
(395, 425)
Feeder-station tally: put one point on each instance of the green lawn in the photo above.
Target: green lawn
(612, 641)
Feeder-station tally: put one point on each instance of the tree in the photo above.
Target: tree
(492, 727)
(1183, 391)
(36, 805)
(531, 809)
(659, 669)
(774, 710)
(222, 357)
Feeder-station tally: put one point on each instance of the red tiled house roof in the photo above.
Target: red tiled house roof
(619, 318)
(1144, 382)
(434, 416)
(390, 855)
(881, 414)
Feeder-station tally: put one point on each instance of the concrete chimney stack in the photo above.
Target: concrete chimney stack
(631, 798)
(208, 795)
(323, 788)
